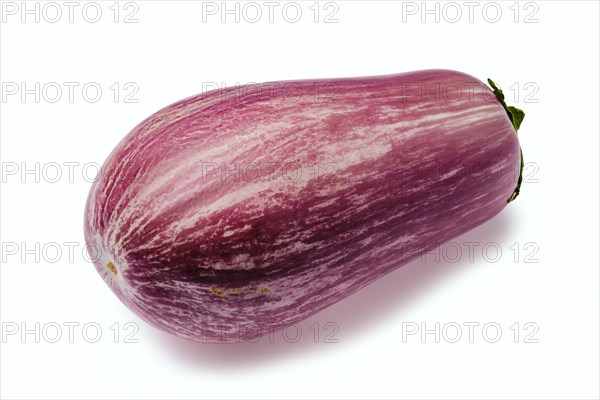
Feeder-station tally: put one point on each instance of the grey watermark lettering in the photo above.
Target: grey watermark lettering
(270, 12)
(52, 12)
(69, 92)
(470, 12)
(469, 332)
(69, 332)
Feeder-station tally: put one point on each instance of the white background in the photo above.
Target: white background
(169, 54)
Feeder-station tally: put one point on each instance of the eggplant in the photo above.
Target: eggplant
(258, 206)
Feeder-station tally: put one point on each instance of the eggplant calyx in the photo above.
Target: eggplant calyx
(516, 117)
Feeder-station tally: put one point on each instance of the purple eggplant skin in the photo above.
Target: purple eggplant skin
(201, 227)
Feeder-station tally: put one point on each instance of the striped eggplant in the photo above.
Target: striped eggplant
(248, 209)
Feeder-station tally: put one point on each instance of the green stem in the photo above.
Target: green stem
(516, 117)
